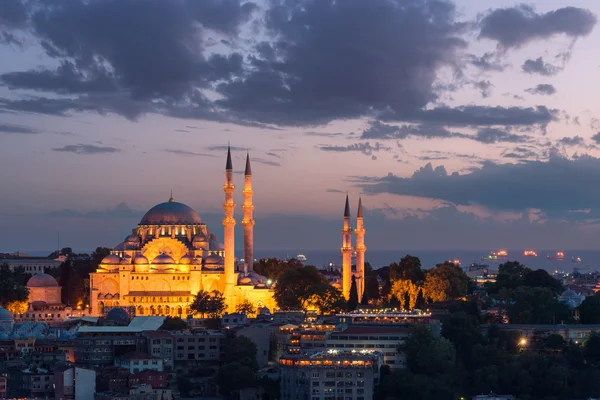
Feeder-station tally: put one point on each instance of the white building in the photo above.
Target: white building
(32, 266)
(137, 361)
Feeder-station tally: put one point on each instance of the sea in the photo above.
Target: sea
(590, 259)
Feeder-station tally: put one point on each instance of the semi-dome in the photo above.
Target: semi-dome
(41, 280)
(5, 315)
(118, 315)
(213, 259)
(132, 239)
(171, 213)
(185, 259)
(140, 259)
(111, 259)
(163, 259)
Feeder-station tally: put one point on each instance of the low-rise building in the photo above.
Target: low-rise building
(160, 344)
(330, 375)
(74, 383)
(197, 346)
(33, 382)
(3, 393)
(137, 361)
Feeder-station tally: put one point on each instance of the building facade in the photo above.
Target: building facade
(172, 255)
(330, 375)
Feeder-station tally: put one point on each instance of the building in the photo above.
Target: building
(160, 344)
(172, 255)
(359, 250)
(43, 288)
(3, 394)
(197, 346)
(74, 383)
(137, 361)
(7, 321)
(32, 265)
(571, 298)
(577, 333)
(34, 382)
(330, 375)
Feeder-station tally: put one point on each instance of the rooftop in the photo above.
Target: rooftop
(137, 324)
(138, 355)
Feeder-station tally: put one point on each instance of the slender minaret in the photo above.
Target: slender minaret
(248, 221)
(228, 226)
(346, 252)
(360, 251)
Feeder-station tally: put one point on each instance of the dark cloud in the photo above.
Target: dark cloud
(271, 154)
(270, 163)
(493, 135)
(484, 87)
(224, 148)
(186, 153)
(520, 153)
(182, 130)
(543, 89)
(555, 186)
(335, 191)
(17, 129)
(596, 138)
(309, 74)
(487, 62)
(86, 149)
(324, 134)
(378, 130)
(572, 141)
(365, 148)
(12, 14)
(516, 26)
(538, 66)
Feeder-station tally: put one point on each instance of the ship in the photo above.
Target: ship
(530, 253)
(500, 255)
(455, 262)
(301, 257)
(576, 260)
(559, 256)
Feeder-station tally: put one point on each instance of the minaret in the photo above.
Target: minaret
(248, 221)
(228, 226)
(360, 251)
(346, 252)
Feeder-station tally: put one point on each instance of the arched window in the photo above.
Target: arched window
(140, 310)
(160, 310)
(167, 310)
(101, 308)
(179, 310)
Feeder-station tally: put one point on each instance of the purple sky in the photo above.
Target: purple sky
(467, 124)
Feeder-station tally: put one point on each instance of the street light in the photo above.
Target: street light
(523, 342)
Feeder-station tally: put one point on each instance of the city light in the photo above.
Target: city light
(523, 342)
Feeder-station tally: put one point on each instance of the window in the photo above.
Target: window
(316, 375)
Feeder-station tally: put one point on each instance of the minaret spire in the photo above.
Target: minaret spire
(248, 221)
(171, 199)
(228, 227)
(360, 251)
(346, 251)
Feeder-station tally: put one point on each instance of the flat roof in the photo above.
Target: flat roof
(137, 324)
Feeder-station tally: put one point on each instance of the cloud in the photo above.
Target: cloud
(85, 149)
(489, 62)
(295, 77)
(555, 186)
(362, 147)
(188, 153)
(224, 148)
(543, 89)
(17, 129)
(538, 66)
(484, 87)
(516, 26)
(492, 135)
(572, 141)
(335, 191)
(378, 130)
(265, 162)
(596, 138)
(271, 154)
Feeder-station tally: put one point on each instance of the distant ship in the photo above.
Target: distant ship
(301, 257)
(576, 260)
(455, 262)
(529, 253)
(500, 255)
(558, 257)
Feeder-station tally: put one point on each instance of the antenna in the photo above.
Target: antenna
(58, 244)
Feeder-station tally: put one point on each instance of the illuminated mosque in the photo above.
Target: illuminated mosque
(172, 255)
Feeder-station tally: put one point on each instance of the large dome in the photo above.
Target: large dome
(171, 213)
(5, 315)
(41, 280)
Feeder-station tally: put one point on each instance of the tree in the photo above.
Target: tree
(555, 342)
(589, 310)
(541, 278)
(463, 331)
(272, 268)
(184, 385)
(537, 305)
(174, 324)
(404, 288)
(445, 282)
(353, 298)
(409, 268)
(234, 377)
(10, 287)
(294, 287)
(216, 305)
(372, 287)
(426, 354)
(246, 308)
(327, 299)
(200, 303)
(17, 306)
(98, 255)
(510, 275)
(364, 301)
(240, 349)
(66, 281)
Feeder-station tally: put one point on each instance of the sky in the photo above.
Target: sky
(467, 124)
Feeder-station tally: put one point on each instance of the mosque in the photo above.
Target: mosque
(172, 255)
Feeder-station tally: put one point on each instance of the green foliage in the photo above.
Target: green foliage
(272, 390)
(240, 349)
(246, 307)
(445, 282)
(541, 278)
(326, 298)
(535, 305)
(12, 287)
(463, 331)
(364, 301)
(174, 324)
(510, 276)
(211, 304)
(426, 354)
(272, 268)
(372, 287)
(409, 268)
(233, 377)
(184, 385)
(555, 342)
(296, 287)
(589, 310)
(353, 298)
